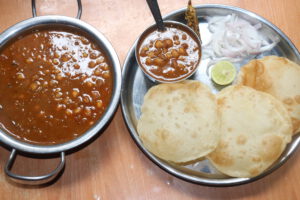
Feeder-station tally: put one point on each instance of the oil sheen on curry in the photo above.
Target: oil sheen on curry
(54, 85)
(169, 56)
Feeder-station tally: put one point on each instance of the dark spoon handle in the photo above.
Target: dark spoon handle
(153, 5)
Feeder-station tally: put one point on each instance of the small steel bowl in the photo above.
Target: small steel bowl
(37, 23)
(151, 29)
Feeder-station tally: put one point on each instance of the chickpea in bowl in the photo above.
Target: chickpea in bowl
(169, 56)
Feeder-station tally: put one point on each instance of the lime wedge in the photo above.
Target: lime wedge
(223, 73)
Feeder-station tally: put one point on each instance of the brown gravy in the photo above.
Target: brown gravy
(169, 56)
(54, 85)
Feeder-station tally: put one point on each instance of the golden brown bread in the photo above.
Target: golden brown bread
(255, 129)
(179, 121)
(279, 77)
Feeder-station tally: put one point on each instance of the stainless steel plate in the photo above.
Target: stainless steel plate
(135, 85)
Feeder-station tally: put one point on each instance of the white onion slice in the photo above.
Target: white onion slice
(234, 39)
